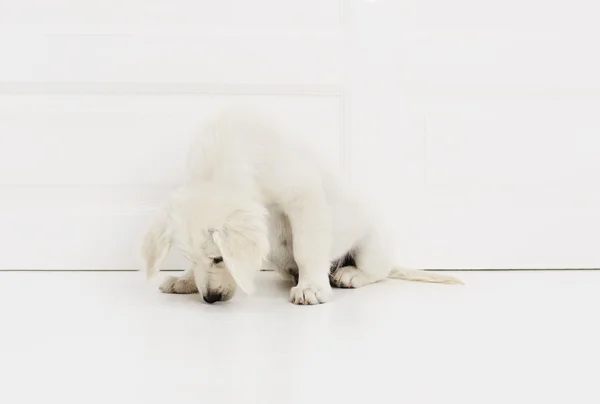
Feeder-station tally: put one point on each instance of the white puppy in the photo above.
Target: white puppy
(255, 194)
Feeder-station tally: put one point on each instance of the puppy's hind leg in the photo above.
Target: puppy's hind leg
(375, 262)
(370, 262)
(348, 277)
(184, 284)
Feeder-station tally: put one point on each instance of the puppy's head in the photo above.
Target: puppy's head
(222, 233)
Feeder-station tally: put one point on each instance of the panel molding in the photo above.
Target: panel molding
(495, 93)
(166, 88)
(188, 16)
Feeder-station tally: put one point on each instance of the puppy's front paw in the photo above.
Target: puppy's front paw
(184, 285)
(310, 294)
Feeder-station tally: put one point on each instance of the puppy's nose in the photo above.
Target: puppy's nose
(210, 298)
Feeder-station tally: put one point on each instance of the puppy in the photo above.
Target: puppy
(255, 194)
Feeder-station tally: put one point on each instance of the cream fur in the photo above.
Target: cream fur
(254, 193)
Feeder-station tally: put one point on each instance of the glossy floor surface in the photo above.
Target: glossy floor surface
(110, 337)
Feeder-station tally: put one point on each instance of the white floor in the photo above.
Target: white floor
(522, 337)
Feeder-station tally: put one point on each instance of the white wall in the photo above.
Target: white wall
(98, 101)
(485, 130)
(474, 124)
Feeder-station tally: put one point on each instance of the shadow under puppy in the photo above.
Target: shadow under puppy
(255, 194)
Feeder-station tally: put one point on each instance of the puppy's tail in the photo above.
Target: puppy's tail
(423, 276)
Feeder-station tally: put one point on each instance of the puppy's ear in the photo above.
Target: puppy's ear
(244, 244)
(155, 245)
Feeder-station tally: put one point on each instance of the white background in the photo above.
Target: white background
(474, 124)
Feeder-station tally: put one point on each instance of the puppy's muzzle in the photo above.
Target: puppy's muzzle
(212, 297)
(218, 285)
